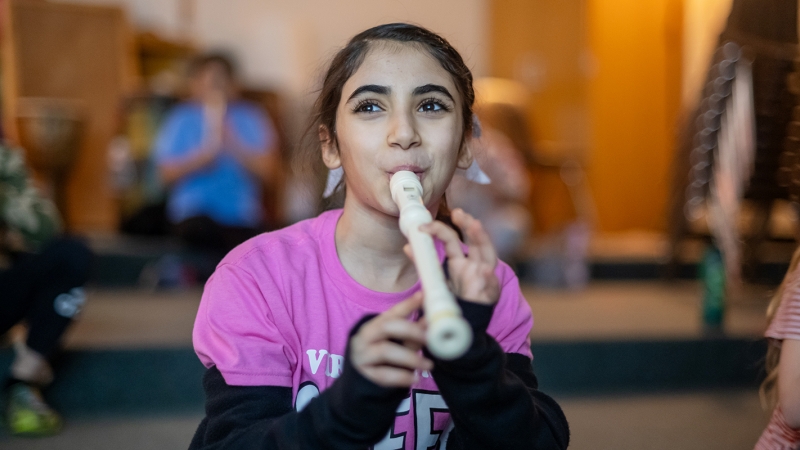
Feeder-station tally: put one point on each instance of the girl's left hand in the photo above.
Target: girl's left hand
(472, 276)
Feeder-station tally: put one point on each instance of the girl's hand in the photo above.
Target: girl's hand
(472, 276)
(386, 349)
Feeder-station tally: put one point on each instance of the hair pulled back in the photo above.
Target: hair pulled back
(345, 63)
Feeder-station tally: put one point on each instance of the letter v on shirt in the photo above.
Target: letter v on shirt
(335, 362)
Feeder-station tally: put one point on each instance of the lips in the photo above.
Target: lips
(418, 171)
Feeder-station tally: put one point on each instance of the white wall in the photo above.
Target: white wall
(283, 44)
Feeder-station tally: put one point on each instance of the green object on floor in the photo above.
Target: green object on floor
(26, 413)
(712, 274)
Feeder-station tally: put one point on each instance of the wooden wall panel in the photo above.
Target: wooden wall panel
(542, 44)
(77, 52)
(634, 102)
(605, 78)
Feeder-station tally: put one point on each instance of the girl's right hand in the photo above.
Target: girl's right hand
(386, 349)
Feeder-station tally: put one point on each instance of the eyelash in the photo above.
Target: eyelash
(427, 101)
(364, 103)
(435, 101)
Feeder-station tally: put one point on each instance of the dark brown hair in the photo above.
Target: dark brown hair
(200, 62)
(349, 59)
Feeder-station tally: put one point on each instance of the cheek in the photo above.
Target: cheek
(446, 144)
(444, 151)
(364, 139)
(359, 160)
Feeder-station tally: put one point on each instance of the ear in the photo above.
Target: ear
(465, 155)
(330, 151)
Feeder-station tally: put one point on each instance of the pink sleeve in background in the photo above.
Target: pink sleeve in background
(786, 323)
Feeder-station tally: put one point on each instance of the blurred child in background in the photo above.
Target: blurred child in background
(41, 283)
(501, 205)
(781, 388)
(214, 153)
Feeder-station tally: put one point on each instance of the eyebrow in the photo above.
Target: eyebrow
(377, 89)
(433, 88)
(385, 90)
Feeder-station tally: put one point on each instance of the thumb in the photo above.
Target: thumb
(406, 307)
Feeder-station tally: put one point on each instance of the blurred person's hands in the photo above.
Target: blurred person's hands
(215, 104)
(259, 163)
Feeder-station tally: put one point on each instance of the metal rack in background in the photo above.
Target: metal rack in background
(761, 37)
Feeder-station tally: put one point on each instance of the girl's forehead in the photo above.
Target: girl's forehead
(399, 66)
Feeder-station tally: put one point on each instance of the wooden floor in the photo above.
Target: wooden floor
(134, 318)
(708, 420)
(687, 421)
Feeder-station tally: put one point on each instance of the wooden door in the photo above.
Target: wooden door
(73, 52)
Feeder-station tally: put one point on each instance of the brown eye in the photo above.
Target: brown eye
(367, 107)
(433, 105)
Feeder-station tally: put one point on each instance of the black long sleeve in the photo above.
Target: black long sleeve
(353, 413)
(493, 400)
(493, 397)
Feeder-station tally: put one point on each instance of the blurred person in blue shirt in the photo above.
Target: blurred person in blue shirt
(215, 152)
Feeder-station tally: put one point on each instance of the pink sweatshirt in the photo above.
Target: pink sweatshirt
(278, 310)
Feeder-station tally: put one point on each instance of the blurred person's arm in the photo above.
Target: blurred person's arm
(789, 382)
(175, 155)
(173, 171)
(250, 137)
(28, 218)
(261, 163)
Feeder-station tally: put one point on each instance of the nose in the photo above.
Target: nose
(403, 131)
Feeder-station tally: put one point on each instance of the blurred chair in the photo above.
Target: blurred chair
(556, 198)
(558, 194)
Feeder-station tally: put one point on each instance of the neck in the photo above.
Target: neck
(370, 247)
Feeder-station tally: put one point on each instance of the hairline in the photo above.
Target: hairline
(398, 45)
